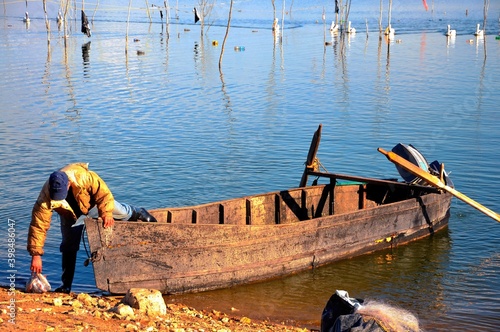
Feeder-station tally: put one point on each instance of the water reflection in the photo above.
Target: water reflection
(423, 45)
(46, 73)
(226, 97)
(86, 59)
(68, 75)
(196, 52)
(271, 78)
(382, 84)
(388, 68)
(342, 60)
(450, 41)
(282, 53)
(481, 80)
(165, 39)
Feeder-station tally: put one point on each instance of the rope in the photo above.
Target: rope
(84, 231)
(321, 165)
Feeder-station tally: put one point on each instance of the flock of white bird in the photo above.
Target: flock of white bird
(390, 31)
(27, 19)
(334, 28)
(453, 33)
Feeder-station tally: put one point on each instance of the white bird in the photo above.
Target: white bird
(478, 33)
(26, 17)
(450, 33)
(276, 26)
(334, 27)
(390, 32)
(350, 29)
(60, 18)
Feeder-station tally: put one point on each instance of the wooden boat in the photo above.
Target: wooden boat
(259, 237)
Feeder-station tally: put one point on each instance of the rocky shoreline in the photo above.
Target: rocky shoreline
(20, 311)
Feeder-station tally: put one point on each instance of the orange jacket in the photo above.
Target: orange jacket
(89, 190)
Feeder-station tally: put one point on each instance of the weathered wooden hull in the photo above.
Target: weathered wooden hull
(259, 237)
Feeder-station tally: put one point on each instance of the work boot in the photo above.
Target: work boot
(62, 289)
(141, 214)
(68, 273)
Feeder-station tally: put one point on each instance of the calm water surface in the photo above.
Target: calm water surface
(167, 129)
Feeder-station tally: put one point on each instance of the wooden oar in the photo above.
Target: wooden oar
(436, 182)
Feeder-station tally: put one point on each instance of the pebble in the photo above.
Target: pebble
(103, 304)
(245, 320)
(86, 299)
(124, 310)
(77, 304)
(130, 327)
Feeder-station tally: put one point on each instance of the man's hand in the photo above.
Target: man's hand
(36, 264)
(108, 221)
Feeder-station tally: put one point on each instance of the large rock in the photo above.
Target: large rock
(149, 301)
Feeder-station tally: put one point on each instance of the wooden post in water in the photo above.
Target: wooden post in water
(380, 21)
(167, 20)
(274, 10)
(323, 17)
(47, 23)
(95, 10)
(225, 36)
(282, 21)
(128, 19)
(485, 12)
(65, 30)
(147, 10)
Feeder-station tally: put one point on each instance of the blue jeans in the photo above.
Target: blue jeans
(72, 231)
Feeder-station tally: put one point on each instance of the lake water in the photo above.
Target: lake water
(165, 128)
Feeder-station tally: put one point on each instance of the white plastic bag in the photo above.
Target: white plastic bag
(37, 284)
